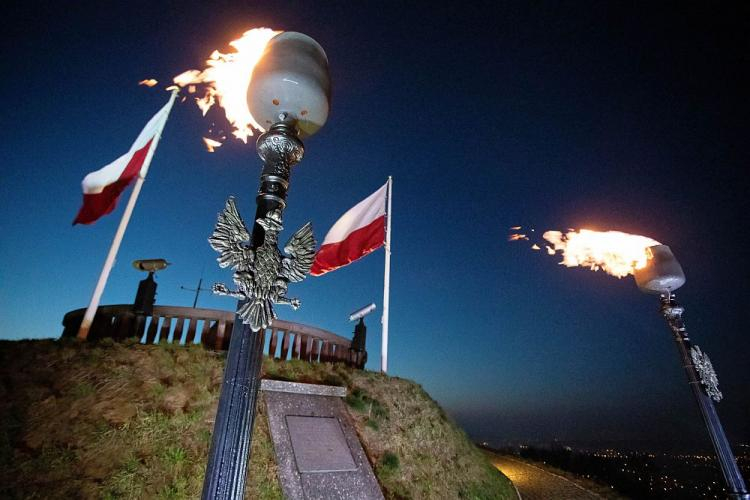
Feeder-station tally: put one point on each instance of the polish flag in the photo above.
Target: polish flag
(357, 233)
(102, 189)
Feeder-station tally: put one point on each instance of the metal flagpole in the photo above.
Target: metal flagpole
(386, 278)
(109, 262)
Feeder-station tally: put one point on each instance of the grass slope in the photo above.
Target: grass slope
(126, 420)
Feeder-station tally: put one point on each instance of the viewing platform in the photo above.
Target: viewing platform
(212, 328)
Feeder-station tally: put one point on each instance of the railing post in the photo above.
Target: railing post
(205, 333)
(151, 335)
(190, 337)
(220, 328)
(272, 344)
(285, 345)
(166, 325)
(177, 335)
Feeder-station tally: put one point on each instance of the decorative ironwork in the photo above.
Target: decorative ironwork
(674, 313)
(280, 151)
(705, 370)
(262, 274)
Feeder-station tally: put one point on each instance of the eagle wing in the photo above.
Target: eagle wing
(229, 237)
(301, 253)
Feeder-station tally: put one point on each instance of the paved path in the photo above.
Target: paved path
(535, 483)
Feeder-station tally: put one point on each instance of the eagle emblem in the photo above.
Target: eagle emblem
(261, 274)
(706, 372)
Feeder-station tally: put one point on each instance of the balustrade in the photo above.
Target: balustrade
(179, 325)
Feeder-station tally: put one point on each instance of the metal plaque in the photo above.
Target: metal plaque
(319, 444)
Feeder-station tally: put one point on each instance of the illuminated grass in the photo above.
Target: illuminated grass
(129, 421)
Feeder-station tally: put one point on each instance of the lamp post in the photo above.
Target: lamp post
(663, 275)
(289, 95)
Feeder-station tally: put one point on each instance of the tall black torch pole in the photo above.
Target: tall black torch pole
(703, 383)
(280, 149)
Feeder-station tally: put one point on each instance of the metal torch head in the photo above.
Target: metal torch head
(291, 83)
(662, 273)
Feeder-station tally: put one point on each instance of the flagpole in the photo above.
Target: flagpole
(88, 317)
(386, 279)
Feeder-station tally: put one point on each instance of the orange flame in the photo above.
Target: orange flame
(211, 144)
(615, 253)
(149, 82)
(227, 77)
(516, 237)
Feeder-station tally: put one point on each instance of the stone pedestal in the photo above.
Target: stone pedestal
(317, 450)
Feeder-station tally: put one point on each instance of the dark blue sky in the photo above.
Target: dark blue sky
(603, 115)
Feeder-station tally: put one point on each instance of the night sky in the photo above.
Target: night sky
(601, 115)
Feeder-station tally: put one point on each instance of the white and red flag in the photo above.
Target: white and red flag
(102, 189)
(363, 228)
(358, 232)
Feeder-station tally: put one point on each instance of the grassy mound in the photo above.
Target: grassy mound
(114, 420)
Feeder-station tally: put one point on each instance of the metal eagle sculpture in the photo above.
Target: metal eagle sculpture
(261, 274)
(706, 372)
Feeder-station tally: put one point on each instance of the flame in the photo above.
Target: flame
(516, 237)
(211, 144)
(615, 253)
(535, 247)
(149, 82)
(187, 77)
(227, 77)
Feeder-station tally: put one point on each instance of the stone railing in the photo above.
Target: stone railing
(213, 328)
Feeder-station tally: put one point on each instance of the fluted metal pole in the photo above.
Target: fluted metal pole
(280, 150)
(230, 446)
(672, 312)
